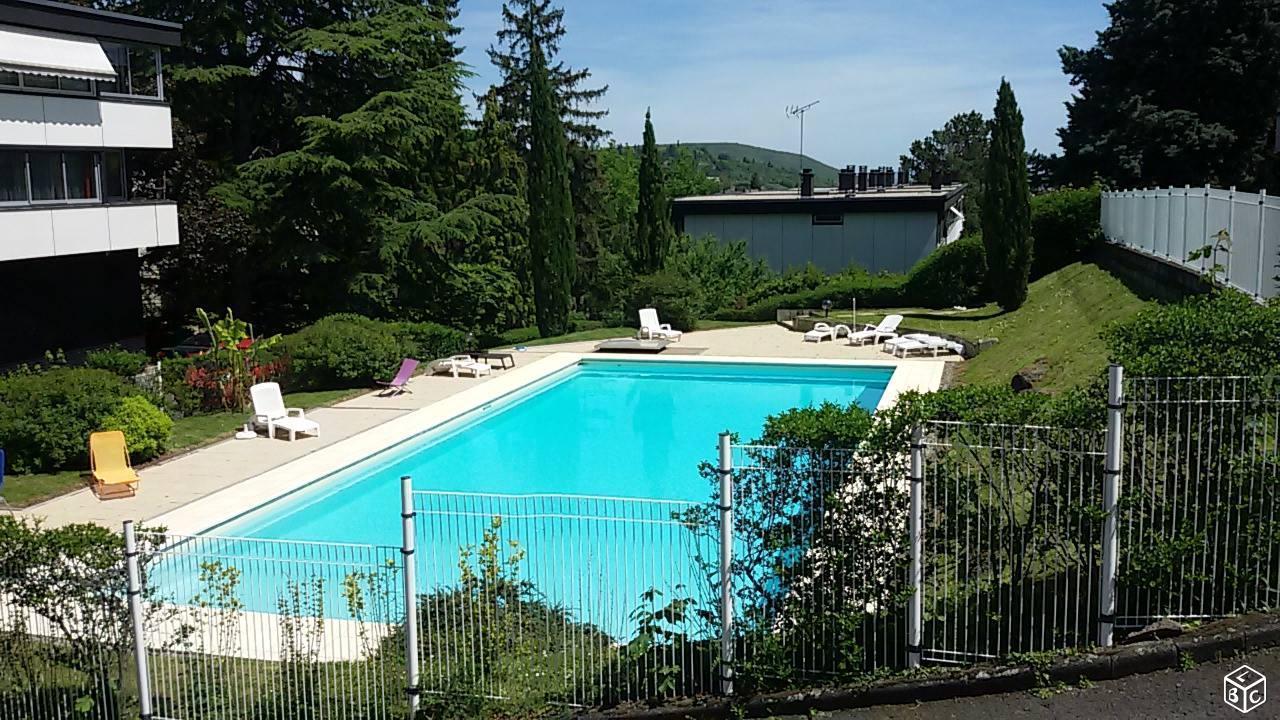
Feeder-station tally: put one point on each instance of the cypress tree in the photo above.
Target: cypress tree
(551, 238)
(1006, 206)
(653, 221)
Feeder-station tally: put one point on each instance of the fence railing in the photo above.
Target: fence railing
(968, 542)
(1173, 223)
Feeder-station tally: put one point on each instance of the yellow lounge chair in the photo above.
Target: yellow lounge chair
(109, 461)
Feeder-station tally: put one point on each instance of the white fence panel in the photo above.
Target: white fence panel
(1174, 223)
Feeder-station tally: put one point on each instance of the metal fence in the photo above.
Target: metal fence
(1199, 509)
(251, 628)
(966, 542)
(1011, 539)
(818, 564)
(1172, 223)
(563, 598)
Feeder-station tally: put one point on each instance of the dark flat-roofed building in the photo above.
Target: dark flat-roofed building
(881, 229)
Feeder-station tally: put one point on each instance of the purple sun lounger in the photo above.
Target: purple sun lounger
(400, 383)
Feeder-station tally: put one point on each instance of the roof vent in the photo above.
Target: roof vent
(848, 177)
(806, 182)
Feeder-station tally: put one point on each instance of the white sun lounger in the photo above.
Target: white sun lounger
(650, 327)
(461, 364)
(922, 343)
(823, 331)
(269, 411)
(886, 330)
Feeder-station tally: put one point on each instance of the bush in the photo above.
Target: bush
(341, 351)
(870, 290)
(146, 428)
(427, 341)
(954, 274)
(676, 298)
(180, 398)
(1064, 226)
(46, 417)
(1225, 333)
(724, 272)
(115, 359)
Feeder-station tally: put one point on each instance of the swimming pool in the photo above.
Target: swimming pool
(602, 427)
(586, 466)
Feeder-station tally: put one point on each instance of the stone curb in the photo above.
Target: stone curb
(1223, 639)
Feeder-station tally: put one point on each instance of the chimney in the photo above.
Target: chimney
(862, 178)
(903, 179)
(806, 182)
(848, 176)
(935, 180)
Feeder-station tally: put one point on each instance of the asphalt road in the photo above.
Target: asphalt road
(1194, 693)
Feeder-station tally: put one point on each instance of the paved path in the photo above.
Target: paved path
(1194, 693)
(178, 481)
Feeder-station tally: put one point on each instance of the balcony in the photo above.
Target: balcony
(52, 231)
(35, 120)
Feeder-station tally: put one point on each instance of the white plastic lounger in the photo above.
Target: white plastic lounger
(924, 343)
(269, 411)
(823, 331)
(886, 330)
(461, 364)
(650, 327)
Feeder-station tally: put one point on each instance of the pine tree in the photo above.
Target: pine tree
(1006, 207)
(653, 218)
(529, 23)
(551, 232)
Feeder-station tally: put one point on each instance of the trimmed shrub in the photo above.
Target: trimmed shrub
(1225, 333)
(870, 290)
(954, 274)
(1065, 227)
(427, 341)
(676, 298)
(46, 417)
(115, 359)
(146, 428)
(341, 351)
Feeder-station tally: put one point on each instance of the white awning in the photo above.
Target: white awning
(47, 53)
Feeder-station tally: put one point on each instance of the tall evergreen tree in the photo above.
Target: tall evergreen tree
(551, 231)
(530, 23)
(653, 214)
(1176, 92)
(1006, 207)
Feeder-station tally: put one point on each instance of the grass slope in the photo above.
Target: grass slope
(734, 164)
(1061, 321)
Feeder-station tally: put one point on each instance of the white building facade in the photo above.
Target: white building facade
(81, 101)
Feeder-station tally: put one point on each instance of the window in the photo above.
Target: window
(113, 176)
(73, 84)
(43, 82)
(118, 55)
(828, 219)
(13, 177)
(45, 169)
(136, 71)
(82, 176)
(8, 77)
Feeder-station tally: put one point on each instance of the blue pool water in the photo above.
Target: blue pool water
(623, 429)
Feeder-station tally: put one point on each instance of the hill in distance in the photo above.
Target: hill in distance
(735, 164)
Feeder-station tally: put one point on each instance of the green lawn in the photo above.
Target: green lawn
(606, 333)
(188, 433)
(1060, 321)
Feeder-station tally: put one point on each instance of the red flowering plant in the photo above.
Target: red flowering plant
(234, 362)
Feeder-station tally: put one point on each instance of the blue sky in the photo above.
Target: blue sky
(886, 72)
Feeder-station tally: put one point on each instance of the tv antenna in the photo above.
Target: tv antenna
(799, 111)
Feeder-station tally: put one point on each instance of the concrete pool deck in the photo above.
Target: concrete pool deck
(233, 476)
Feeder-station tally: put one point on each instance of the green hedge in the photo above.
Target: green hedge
(1065, 227)
(954, 274)
(46, 417)
(1226, 333)
(115, 359)
(346, 350)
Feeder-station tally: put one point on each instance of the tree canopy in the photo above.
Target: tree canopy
(1173, 93)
